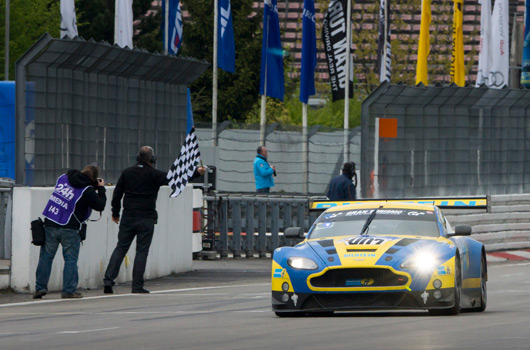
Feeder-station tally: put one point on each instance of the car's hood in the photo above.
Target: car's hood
(371, 250)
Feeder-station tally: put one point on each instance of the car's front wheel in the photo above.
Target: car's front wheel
(483, 289)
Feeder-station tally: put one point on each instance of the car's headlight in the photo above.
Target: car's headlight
(302, 263)
(424, 262)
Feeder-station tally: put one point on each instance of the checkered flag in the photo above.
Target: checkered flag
(184, 166)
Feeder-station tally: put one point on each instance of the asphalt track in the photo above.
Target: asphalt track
(226, 305)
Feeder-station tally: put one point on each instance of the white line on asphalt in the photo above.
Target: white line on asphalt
(132, 294)
(88, 330)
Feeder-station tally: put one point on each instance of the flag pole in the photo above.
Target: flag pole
(347, 86)
(305, 155)
(6, 50)
(263, 117)
(214, 82)
(166, 28)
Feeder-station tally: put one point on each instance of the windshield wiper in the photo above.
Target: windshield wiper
(369, 221)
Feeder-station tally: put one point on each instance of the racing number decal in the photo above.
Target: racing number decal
(365, 240)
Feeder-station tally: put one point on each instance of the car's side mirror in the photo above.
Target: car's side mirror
(462, 230)
(293, 232)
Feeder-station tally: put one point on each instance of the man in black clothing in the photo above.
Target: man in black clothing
(138, 185)
(70, 205)
(341, 187)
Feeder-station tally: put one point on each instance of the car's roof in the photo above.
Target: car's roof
(383, 205)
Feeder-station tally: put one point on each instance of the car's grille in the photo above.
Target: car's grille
(358, 277)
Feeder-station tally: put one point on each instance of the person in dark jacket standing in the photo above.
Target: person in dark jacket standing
(70, 205)
(138, 186)
(341, 187)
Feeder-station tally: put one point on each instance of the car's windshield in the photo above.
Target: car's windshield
(385, 222)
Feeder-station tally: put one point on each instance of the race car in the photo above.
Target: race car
(380, 255)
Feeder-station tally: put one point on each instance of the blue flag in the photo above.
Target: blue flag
(226, 53)
(175, 26)
(309, 52)
(271, 53)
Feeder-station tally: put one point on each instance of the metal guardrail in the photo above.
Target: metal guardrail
(237, 223)
(6, 205)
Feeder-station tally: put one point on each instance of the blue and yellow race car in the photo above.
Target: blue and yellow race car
(380, 255)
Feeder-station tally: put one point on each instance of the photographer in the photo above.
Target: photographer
(70, 205)
(263, 172)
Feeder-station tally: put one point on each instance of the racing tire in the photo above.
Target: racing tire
(483, 289)
(456, 308)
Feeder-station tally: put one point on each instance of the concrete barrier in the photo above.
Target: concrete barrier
(171, 250)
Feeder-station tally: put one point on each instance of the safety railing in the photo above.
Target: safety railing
(237, 224)
(6, 204)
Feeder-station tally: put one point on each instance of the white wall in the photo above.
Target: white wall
(171, 249)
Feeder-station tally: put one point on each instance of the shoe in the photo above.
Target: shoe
(75, 295)
(39, 294)
(141, 290)
(108, 290)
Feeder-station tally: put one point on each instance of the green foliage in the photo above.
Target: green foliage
(331, 114)
(29, 20)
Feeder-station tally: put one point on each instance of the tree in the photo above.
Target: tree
(237, 92)
(29, 20)
(95, 18)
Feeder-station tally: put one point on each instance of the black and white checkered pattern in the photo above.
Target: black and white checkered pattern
(182, 169)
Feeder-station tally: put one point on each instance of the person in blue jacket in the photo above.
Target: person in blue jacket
(263, 172)
(342, 187)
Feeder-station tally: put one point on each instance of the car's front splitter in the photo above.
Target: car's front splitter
(428, 299)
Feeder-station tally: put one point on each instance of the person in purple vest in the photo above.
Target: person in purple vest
(70, 205)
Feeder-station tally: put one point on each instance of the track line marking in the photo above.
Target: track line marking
(88, 330)
(132, 294)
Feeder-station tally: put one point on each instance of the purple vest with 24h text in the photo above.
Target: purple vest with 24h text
(61, 204)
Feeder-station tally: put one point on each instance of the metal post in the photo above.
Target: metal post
(305, 154)
(275, 218)
(236, 223)
(249, 229)
(347, 86)
(166, 28)
(214, 82)
(262, 228)
(6, 50)
(223, 229)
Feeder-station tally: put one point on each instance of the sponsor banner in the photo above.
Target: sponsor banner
(484, 58)
(500, 34)
(383, 47)
(334, 38)
(449, 202)
(424, 46)
(457, 63)
(525, 67)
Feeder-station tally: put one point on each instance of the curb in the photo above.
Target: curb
(513, 255)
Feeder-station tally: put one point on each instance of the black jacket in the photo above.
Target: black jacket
(341, 189)
(138, 185)
(91, 198)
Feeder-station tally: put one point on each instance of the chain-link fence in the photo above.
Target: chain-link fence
(450, 141)
(81, 102)
(237, 146)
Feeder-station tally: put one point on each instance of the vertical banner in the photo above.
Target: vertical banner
(123, 23)
(484, 58)
(500, 60)
(174, 27)
(424, 46)
(309, 52)
(525, 67)
(457, 63)
(226, 54)
(384, 56)
(334, 38)
(68, 20)
(271, 53)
